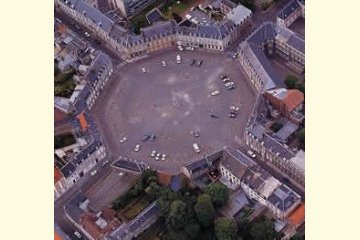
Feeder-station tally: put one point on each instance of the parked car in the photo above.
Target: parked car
(195, 133)
(121, 174)
(234, 55)
(143, 70)
(145, 138)
(234, 108)
(251, 154)
(104, 163)
(153, 137)
(193, 62)
(225, 80)
(93, 173)
(153, 153)
(137, 148)
(157, 157)
(178, 59)
(190, 48)
(215, 93)
(123, 140)
(163, 157)
(180, 48)
(214, 116)
(196, 147)
(77, 234)
(199, 63)
(163, 63)
(87, 34)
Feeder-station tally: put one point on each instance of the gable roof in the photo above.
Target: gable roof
(288, 9)
(57, 175)
(293, 99)
(297, 217)
(236, 162)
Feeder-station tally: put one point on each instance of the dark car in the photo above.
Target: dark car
(192, 62)
(199, 63)
(214, 116)
(97, 41)
(152, 137)
(145, 138)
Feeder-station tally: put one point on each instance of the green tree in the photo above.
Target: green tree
(204, 210)
(226, 229)
(176, 219)
(291, 81)
(218, 192)
(192, 229)
(301, 137)
(264, 230)
(300, 86)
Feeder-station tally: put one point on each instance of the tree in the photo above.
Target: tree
(291, 81)
(226, 229)
(176, 219)
(301, 137)
(264, 230)
(218, 192)
(204, 210)
(300, 86)
(192, 229)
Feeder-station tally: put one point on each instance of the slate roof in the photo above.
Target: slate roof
(154, 16)
(68, 169)
(276, 147)
(283, 198)
(288, 9)
(101, 61)
(236, 162)
(296, 41)
(286, 131)
(209, 31)
(95, 15)
(257, 130)
(255, 177)
(117, 32)
(239, 14)
(158, 29)
(264, 33)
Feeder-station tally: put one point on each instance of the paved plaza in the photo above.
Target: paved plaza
(172, 102)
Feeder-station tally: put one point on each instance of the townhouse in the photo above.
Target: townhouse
(291, 12)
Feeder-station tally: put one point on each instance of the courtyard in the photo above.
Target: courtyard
(171, 102)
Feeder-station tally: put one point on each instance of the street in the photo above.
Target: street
(70, 23)
(83, 185)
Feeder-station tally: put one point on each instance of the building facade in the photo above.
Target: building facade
(274, 152)
(129, 8)
(215, 36)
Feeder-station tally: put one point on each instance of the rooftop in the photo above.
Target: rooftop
(286, 131)
(154, 16)
(239, 14)
(277, 148)
(297, 217)
(57, 175)
(299, 160)
(283, 198)
(236, 162)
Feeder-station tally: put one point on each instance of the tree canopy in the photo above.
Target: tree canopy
(204, 210)
(264, 230)
(218, 192)
(226, 229)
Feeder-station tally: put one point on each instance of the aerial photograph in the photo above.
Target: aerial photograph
(179, 120)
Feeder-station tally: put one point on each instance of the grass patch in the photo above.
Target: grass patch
(63, 82)
(64, 140)
(177, 8)
(134, 208)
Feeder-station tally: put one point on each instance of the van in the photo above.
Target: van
(196, 147)
(178, 59)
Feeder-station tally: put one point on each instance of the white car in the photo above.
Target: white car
(153, 153)
(214, 93)
(178, 59)
(137, 148)
(87, 34)
(234, 108)
(163, 157)
(93, 173)
(251, 154)
(180, 48)
(196, 147)
(143, 70)
(163, 63)
(190, 48)
(121, 174)
(157, 157)
(77, 234)
(123, 140)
